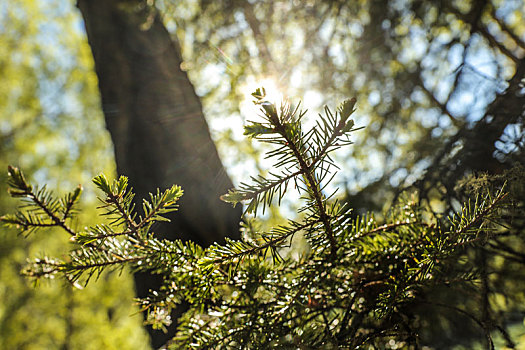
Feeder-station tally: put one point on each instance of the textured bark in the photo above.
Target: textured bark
(156, 123)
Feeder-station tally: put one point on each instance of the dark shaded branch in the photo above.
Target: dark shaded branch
(506, 29)
(478, 143)
(455, 121)
(258, 36)
(469, 315)
(495, 43)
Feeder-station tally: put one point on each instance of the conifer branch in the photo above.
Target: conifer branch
(228, 253)
(56, 220)
(39, 199)
(500, 196)
(349, 287)
(311, 184)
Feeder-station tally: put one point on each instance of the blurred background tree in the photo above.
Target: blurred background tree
(440, 85)
(51, 123)
(157, 126)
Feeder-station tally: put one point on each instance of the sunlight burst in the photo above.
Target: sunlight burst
(273, 95)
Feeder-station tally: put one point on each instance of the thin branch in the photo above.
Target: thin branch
(387, 227)
(466, 313)
(481, 215)
(262, 46)
(505, 28)
(114, 199)
(495, 43)
(58, 221)
(506, 248)
(442, 107)
(270, 243)
(312, 185)
(271, 185)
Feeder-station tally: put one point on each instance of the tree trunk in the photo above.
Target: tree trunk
(156, 123)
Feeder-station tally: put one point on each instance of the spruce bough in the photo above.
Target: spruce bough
(354, 286)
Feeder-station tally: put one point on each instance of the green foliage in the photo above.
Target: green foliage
(357, 284)
(45, 211)
(51, 125)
